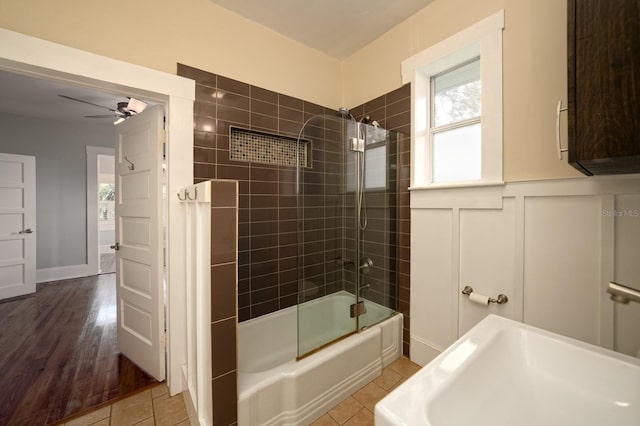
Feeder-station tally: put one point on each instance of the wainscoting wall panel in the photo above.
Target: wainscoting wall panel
(550, 246)
(562, 265)
(627, 268)
(487, 241)
(432, 298)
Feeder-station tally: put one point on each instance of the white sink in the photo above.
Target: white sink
(503, 372)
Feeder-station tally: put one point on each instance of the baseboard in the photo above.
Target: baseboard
(63, 273)
(190, 406)
(422, 352)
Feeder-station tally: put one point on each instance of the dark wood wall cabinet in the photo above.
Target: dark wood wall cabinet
(604, 86)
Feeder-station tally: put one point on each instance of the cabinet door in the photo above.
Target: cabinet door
(604, 85)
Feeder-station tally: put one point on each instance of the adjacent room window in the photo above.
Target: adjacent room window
(457, 108)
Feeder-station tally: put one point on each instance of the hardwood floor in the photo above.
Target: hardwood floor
(58, 352)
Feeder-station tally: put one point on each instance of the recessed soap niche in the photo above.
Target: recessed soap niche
(253, 146)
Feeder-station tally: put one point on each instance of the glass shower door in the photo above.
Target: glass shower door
(346, 229)
(377, 221)
(323, 302)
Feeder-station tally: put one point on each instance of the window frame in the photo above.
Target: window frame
(435, 129)
(483, 39)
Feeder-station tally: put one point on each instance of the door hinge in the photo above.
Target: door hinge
(357, 309)
(357, 145)
(163, 340)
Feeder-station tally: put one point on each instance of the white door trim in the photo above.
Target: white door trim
(93, 251)
(28, 55)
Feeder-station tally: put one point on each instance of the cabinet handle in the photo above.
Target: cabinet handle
(558, 145)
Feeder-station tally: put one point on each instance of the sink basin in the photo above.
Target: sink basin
(503, 372)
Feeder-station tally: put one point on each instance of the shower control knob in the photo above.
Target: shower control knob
(366, 265)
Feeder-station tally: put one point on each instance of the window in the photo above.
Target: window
(457, 108)
(106, 202)
(455, 124)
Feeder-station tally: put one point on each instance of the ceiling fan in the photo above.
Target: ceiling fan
(122, 111)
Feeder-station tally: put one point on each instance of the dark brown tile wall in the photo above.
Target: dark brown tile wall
(393, 112)
(224, 296)
(321, 213)
(267, 241)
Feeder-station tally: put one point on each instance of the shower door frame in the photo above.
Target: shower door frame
(346, 142)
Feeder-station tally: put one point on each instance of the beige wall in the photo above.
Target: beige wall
(201, 34)
(159, 33)
(534, 64)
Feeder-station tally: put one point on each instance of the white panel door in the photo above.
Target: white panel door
(17, 225)
(139, 241)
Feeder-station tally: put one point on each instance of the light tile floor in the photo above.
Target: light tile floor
(154, 407)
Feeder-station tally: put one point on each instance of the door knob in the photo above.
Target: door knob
(26, 231)
(116, 246)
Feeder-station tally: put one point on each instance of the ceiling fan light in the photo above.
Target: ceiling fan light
(136, 106)
(119, 120)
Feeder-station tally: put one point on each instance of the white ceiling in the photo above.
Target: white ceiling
(335, 27)
(36, 97)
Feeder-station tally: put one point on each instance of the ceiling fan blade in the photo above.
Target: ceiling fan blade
(101, 116)
(87, 102)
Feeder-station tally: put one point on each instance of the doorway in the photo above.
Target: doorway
(101, 192)
(27, 55)
(106, 214)
(62, 342)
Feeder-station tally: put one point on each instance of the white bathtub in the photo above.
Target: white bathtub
(275, 389)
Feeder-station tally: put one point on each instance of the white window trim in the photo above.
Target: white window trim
(483, 38)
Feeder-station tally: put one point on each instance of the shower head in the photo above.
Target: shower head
(344, 111)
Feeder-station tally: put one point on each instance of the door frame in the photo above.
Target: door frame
(24, 54)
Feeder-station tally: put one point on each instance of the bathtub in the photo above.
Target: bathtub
(275, 389)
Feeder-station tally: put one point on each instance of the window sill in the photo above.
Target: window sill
(449, 185)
